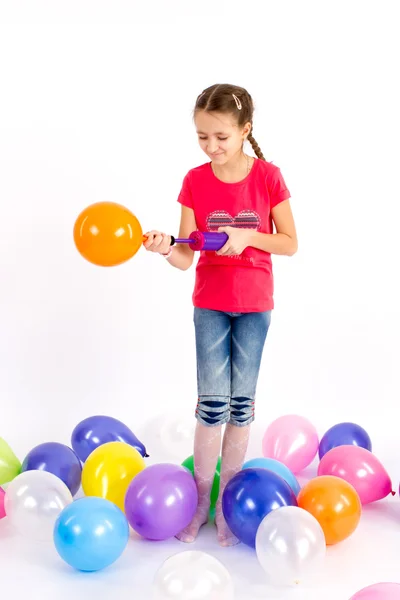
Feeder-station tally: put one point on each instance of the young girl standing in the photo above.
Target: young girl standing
(246, 198)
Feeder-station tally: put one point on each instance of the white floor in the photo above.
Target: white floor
(35, 571)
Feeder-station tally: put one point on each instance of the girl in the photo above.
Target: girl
(244, 197)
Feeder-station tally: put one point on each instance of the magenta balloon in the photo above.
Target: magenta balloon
(2, 509)
(361, 469)
(379, 591)
(161, 501)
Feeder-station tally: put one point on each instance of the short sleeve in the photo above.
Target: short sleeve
(277, 188)
(185, 195)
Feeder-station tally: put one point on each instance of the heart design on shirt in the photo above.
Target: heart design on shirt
(245, 219)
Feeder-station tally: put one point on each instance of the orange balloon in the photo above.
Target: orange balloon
(334, 503)
(107, 234)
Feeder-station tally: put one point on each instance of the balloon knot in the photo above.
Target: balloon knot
(147, 455)
(393, 493)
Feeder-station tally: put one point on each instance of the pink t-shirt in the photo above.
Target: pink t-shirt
(242, 283)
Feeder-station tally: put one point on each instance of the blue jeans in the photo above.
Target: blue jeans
(229, 349)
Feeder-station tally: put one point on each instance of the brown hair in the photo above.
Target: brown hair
(232, 99)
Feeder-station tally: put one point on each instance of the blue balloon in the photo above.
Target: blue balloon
(99, 429)
(249, 496)
(57, 459)
(91, 533)
(276, 467)
(344, 434)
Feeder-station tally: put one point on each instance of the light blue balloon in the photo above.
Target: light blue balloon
(276, 467)
(91, 533)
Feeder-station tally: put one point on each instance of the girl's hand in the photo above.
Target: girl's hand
(238, 240)
(157, 242)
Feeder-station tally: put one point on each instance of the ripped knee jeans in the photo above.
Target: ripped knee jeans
(229, 349)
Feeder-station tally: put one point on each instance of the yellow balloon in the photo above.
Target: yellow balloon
(109, 470)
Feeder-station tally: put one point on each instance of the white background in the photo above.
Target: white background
(96, 103)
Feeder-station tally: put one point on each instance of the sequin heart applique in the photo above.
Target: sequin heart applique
(246, 219)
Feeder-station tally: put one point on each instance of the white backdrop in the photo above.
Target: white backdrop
(96, 104)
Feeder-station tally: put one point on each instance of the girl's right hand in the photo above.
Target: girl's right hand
(157, 242)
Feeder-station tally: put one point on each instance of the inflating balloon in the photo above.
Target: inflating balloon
(379, 591)
(361, 469)
(292, 440)
(33, 502)
(108, 234)
(109, 470)
(161, 501)
(10, 466)
(344, 434)
(57, 459)
(249, 496)
(189, 464)
(334, 503)
(2, 509)
(277, 467)
(94, 431)
(193, 575)
(91, 534)
(290, 546)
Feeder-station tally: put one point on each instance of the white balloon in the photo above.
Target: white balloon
(177, 437)
(193, 575)
(290, 545)
(33, 502)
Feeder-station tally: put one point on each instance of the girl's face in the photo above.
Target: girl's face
(219, 136)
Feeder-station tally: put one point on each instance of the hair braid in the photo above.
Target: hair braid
(255, 146)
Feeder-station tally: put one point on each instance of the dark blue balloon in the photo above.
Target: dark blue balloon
(98, 430)
(57, 459)
(344, 434)
(249, 496)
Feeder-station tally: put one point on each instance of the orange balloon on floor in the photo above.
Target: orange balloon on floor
(107, 234)
(334, 503)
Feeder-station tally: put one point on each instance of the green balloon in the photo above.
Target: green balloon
(10, 466)
(189, 464)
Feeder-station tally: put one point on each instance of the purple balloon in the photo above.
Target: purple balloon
(100, 429)
(57, 459)
(161, 501)
(344, 434)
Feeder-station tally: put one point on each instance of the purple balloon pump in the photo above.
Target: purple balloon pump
(198, 240)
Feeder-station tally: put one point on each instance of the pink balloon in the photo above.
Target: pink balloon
(379, 591)
(2, 510)
(361, 469)
(292, 440)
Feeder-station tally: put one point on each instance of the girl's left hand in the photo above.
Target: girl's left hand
(238, 240)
